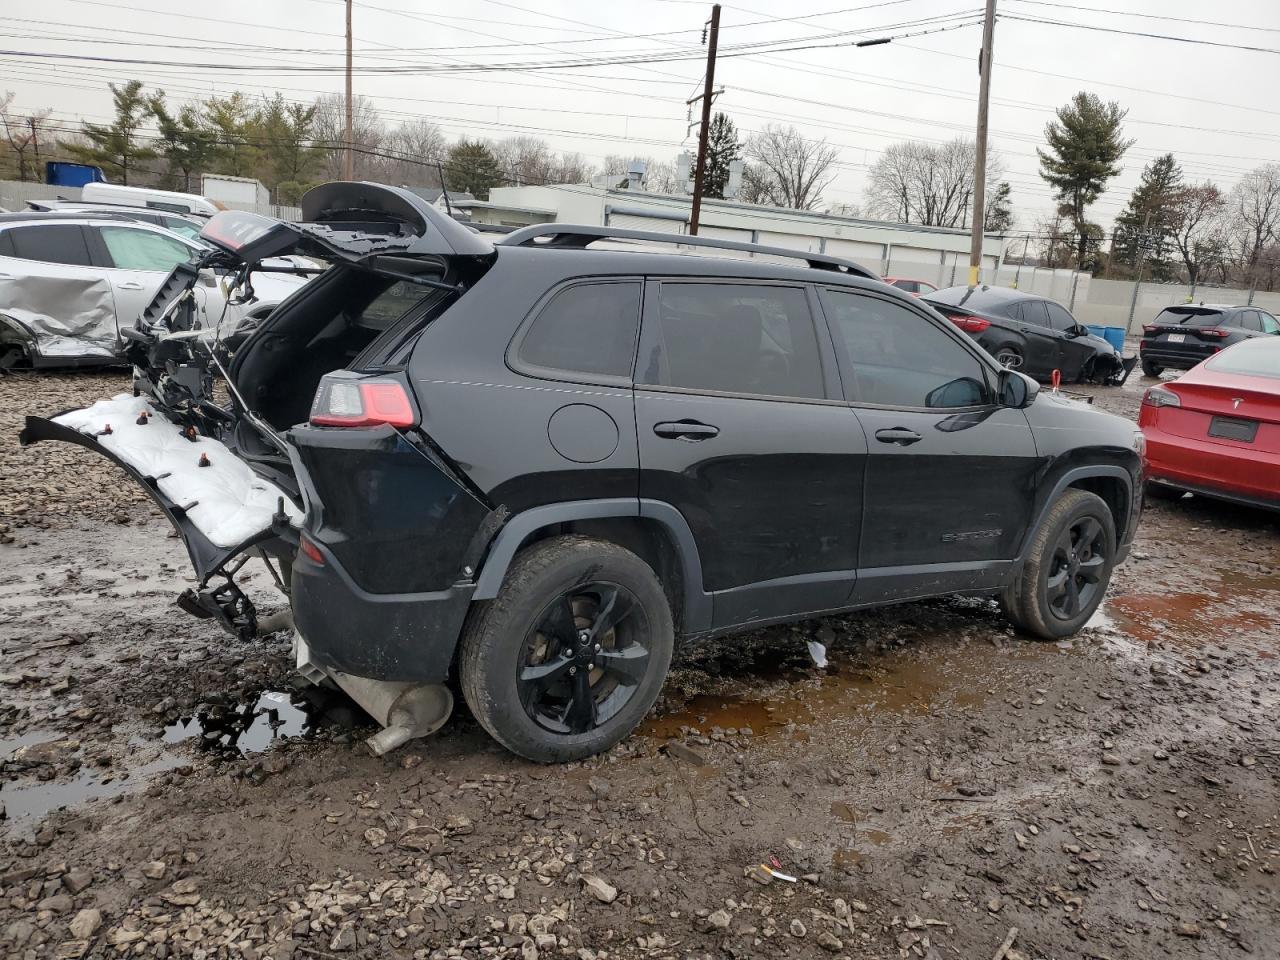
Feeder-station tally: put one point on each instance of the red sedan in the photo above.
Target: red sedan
(1216, 430)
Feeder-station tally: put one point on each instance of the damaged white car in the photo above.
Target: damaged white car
(71, 282)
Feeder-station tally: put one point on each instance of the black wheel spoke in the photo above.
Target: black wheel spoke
(543, 672)
(1071, 600)
(558, 623)
(1056, 584)
(1091, 569)
(1088, 532)
(615, 606)
(580, 711)
(629, 665)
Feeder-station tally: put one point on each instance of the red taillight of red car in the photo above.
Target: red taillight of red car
(344, 401)
(971, 324)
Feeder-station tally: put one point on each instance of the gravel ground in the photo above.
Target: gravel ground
(944, 788)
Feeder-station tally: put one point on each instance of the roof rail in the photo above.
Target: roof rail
(577, 237)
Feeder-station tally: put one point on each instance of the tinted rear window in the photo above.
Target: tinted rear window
(589, 328)
(51, 243)
(1253, 358)
(1190, 318)
(989, 301)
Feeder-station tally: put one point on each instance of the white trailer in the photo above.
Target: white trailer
(238, 190)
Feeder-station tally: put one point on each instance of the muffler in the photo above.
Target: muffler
(406, 710)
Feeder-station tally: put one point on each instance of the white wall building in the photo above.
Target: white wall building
(937, 254)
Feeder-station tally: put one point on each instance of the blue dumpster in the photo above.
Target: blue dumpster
(1115, 337)
(1097, 331)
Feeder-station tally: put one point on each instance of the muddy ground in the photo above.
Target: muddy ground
(942, 786)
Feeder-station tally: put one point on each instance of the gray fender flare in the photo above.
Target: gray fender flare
(1063, 482)
(697, 603)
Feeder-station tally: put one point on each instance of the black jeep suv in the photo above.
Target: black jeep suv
(544, 464)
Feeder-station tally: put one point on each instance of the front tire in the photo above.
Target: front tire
(1152, 370)
(1010, 357)
(569, 657)
(1067, 570)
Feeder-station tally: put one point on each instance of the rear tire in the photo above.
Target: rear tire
(1067, 570)
(569, 657)
(1152, 370)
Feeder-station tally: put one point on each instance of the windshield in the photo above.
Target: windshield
(1190, 316)
(1252, 358)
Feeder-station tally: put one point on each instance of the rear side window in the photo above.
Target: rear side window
(1034, 313)
(755, 339)
(1190, 318)
(1250, 320)
(133, 249)
(51, 243)
(894, 357)
(587, 329)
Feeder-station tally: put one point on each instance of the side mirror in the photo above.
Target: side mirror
(1077, 331)
(1017, 390)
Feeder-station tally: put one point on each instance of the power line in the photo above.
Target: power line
(1149, 16)
(1139, 33)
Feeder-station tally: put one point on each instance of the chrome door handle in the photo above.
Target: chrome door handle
(690, 431)
(899, 435)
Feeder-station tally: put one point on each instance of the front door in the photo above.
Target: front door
(1041, 340)
(742, 430)
(1074, 351)
(137, 260)
(948, 490)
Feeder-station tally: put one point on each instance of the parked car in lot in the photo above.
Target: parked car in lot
(71, 281)
(183, 225)
(1029, 333)
(916, 287)
(543, 465)
(1182, 336)
(1216, 430)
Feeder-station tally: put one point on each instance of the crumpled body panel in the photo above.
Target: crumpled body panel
(63, 316)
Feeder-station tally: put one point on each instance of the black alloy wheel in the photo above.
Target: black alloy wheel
(1009, 357)
(1076, 568)
(584, 659)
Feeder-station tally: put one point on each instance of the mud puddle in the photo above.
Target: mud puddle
(1239, 612)
(247, 728)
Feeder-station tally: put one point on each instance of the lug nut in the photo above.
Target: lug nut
(573, 671)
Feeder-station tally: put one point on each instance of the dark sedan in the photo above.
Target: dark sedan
(1028, 333)
(1182, 336)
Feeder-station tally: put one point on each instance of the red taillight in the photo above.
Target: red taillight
(349, 402)
(1215, 332)
(1149, 330)
(311, 551)
(971, 324)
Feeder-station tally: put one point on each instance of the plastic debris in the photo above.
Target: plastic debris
(776, 874)
(819, 653)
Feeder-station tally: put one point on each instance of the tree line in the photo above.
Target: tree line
(1171, 229)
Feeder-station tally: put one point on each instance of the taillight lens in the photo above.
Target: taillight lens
(345, 401)
(971, 324)
(311, 551)
(1160, 397)
(1150, 330)
(1215, 332)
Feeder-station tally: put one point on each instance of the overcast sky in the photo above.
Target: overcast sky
(1214, 107)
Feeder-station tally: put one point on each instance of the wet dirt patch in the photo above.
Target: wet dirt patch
(245, 728)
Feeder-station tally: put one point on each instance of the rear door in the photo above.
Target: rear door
(1073, 352)
(136, 260)
(950, 474)
(741, 428)
(49, 285)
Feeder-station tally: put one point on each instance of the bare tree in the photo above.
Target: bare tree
(23, 133)
(1194, 222)
(755, 186)
(932, 184)
(367, 134)
(791, 170)
(573, 168)
(412, 152)
(1254, 205)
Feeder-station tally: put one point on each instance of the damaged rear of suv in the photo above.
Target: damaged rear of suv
(535, 465)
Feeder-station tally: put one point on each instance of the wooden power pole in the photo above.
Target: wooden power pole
(349, 167)
(980, 154)
(700, 171)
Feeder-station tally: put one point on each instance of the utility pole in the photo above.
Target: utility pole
(1017, 275)
(350, 164)
(980, 154)
(1143, 240)
(701, 169)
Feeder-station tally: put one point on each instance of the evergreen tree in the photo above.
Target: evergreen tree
(472, 169)
(999, 214)
(1085, 147)
(186, 142)
(233, 120)
(1154, 202)
(116, 147)
(723, 147)
(284, 132)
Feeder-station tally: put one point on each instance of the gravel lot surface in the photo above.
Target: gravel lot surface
(945, 788)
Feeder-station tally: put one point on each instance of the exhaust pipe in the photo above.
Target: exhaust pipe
(406, 710)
